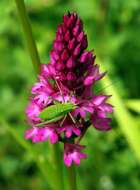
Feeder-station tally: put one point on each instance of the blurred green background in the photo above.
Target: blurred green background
(113, 29)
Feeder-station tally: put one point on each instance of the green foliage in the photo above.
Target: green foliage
(113, 29)
(134, 105)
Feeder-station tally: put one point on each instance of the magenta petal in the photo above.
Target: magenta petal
(106, 107)
(64, 55)
(82, 113)
(76, 158)
(71, 76)
(82, 155)
(84, 57)
(67, 160)
(99, 99)
(72, 44)
(30, 133)
(76, 131)
(88, 109)
(101, 123)
(67, 36)
(77, 50)
(88, 80)
(76, 30)
(53, 138)
(101, 114)
(80, 37)
(70, 63)
(68, 132)
(61, 130)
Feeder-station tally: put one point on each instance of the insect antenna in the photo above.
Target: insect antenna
(107, 86)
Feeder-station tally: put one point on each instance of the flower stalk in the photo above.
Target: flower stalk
(28, 35)
(72, 177)
(58, 167)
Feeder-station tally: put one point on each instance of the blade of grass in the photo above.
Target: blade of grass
(28, 148)
(35, 59)
(126, 122)
(133, 104)
(28, 34)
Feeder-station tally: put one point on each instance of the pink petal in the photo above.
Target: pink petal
(76, 158)
(99, 99)
(82, 113)
(53, 138)
(88, 80)
(68, 132)
(88, 109)
(76, 131)
(30, 133)
(107, 108)
(67, 160)
(82, 155)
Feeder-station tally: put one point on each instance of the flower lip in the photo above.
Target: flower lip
(72, 153)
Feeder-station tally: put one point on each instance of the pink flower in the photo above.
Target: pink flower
(48, 71)
(93, 75)
(84, 106)
(40, 134)
(70, 76)
(43, 92)
(72, 153)
(100, 105)
(49, 132)
(101, 108)
(70, 129)
(33, 111)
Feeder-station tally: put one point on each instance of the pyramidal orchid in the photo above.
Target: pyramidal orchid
(68, 78)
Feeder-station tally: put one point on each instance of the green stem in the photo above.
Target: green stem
(28, 34)
(58, 183)
(72, 177)
(57, 160)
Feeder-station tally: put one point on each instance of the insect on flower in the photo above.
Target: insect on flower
(63, 103)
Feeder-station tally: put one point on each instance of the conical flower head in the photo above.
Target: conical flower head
(68, 55)
(68, 78)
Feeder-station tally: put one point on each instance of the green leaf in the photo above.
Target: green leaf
(133, 104)
(126, 121)
(57, 110)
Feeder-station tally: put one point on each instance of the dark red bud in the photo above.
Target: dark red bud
(60, 66)
(70, 63)
(58, 46)
(71, 76)
(84, 56)
(76, 30)
(54, 55)
(85, 42)
(80, 37)
(72, 44)
(65, 19)
(79, 22)
(77, 50)
(64, 28)
(67, 36)
(59, 36)
(60, 31)
(64, 55)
